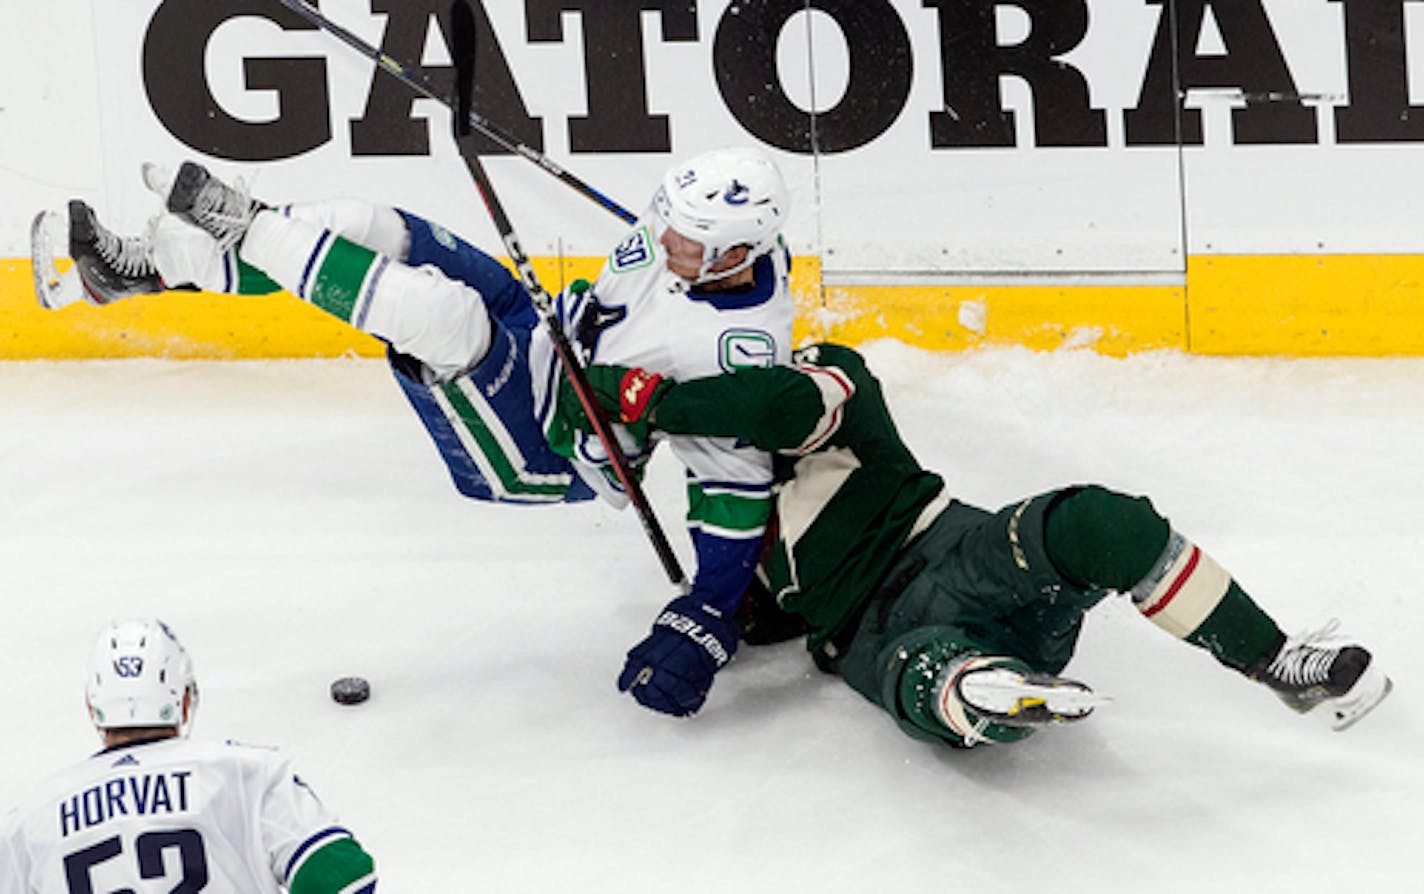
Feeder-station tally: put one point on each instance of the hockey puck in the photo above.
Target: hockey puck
(350, 690)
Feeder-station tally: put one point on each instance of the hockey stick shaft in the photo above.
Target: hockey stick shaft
(463, 51)
(416, 79)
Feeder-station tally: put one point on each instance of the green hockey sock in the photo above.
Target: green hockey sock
(1237, 632)
(251, 281)
(313, 264)
(1099, 538)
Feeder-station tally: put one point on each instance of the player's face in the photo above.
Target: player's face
(684, 255)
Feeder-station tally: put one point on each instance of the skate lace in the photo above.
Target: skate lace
(1302, 661)
(225, 210)
(976, 735)
(128, 255)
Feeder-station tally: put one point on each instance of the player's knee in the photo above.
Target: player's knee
(924, 701)
(429, 316)
(1098, 537)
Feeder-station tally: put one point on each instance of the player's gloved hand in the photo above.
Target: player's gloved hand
(630, 406)
(629, 395)
(671, 670)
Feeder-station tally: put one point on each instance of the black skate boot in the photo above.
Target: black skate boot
(1341, 682)
(110, 267)
(223, 211)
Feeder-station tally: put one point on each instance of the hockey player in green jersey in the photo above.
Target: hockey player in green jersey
(954, 619)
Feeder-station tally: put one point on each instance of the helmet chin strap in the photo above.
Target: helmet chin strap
(705, 276)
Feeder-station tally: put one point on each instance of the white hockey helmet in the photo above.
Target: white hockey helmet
(140, 676)
(725, 198)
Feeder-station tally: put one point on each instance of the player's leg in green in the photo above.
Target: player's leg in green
(969, 651)
(1097, 537)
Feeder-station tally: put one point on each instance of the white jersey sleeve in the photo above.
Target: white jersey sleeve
(14, 862)
(296, 827)
(165, 815)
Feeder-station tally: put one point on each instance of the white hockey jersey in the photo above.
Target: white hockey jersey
(170, 815)
(640, 314)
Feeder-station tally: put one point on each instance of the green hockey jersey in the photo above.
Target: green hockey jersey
(849, 493)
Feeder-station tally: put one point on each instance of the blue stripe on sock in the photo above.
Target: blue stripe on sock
(358, 319)
(311, 263)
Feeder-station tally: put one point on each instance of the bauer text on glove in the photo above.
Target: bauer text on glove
(672, 669)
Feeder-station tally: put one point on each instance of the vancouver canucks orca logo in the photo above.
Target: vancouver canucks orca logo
(736, 194)
(594, 320)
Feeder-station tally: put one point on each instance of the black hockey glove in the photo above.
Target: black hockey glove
(671, 670)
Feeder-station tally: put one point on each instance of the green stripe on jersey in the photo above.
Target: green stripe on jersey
(490, 448)
(732, 513)
(338, 281)
(332, 867)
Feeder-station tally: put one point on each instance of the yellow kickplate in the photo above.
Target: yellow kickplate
(1293, 305)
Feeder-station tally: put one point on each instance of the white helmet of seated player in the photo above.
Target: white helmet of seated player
(723, 199)
(140, 676)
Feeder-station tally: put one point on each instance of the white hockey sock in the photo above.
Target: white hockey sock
(378, 227)
(185, 255)
(421, 312)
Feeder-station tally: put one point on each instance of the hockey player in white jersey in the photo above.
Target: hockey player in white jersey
(155, 810)
(697, 287)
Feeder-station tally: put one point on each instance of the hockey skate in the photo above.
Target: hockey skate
(53, 289)
(994, 698)
(107, 267)
(1339, 682)
(196, 196)
(1005, 690)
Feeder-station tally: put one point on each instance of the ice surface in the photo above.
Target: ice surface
(292, 523)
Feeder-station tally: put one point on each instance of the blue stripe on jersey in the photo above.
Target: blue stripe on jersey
(311, 844)
(762, 290)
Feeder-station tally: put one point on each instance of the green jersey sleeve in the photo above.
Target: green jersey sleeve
(776, 409)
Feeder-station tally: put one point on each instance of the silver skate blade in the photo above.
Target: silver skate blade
(1010, 694)
(1347, 710)
(53, 289)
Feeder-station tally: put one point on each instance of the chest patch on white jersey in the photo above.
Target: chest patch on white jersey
(633, 253)
(746, 349)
